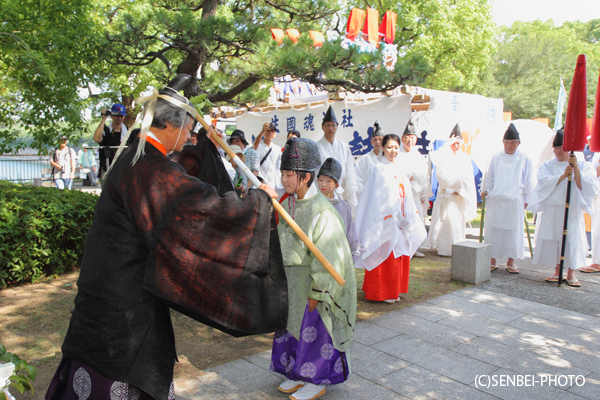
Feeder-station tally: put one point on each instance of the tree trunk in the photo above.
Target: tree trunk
(127, 101)
(196, 56)
(190, 66)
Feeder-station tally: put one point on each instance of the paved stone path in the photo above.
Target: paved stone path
(453, 346)
(474, 343)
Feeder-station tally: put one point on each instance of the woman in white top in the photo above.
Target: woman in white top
(388, 226)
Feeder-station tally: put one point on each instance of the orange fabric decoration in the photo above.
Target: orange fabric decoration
(355, 23)
(277, 35)
(370, 29)
(156, 144)
(317, 38)
(387, 29)
(293, 34)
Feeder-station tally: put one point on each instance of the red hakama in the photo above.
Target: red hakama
(388, 280)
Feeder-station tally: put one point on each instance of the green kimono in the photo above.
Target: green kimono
(308, 278)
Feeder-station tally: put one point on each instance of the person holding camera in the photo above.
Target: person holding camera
(270, 156)
(110, 134)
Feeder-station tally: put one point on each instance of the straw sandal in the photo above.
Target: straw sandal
(574, 283)
(290, 386)
(511, 269)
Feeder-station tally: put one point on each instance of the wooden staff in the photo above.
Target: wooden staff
(564, 238)
(311, 246)
(528, 235)
(482, 217)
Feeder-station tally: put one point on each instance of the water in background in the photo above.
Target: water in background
(23, 169)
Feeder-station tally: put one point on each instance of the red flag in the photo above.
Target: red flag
(277, 35)
(370, 29)
(317, 38)
(575, 125)
(595, 141)
(387, 29)
(355, 23)
(293, 34)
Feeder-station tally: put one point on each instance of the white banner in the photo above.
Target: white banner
(355, 121)
(476, 115)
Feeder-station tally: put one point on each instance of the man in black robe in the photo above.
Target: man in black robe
(162, 238)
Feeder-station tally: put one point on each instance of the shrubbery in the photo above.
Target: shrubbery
(42, 229)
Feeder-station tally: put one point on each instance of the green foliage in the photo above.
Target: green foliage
(531, 59)
(49, 50)
(23, 375)
(43, 231)
(448, 43)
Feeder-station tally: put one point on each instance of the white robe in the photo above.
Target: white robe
(596, 218)
(344, 210)
(456, 200)
(270, 169)
(549, 200)
(363, 168)
(508, 184)
(341, 152)
(416, 168)
(379, 217)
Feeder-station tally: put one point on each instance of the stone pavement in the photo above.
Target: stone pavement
(464, 345)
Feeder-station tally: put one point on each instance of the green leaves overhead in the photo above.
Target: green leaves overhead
(531, 59)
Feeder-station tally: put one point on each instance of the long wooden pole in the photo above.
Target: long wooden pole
(528, 235)
(311, 246)
(564, 238)
(482, 218)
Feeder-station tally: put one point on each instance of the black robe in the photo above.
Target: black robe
(162, 238)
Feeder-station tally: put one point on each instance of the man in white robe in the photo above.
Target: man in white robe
(595, 266)
(270, 157)
(329, 146)
(416, 168)
(456, 199)
(365, 165)
(508, 186)
(549, 198)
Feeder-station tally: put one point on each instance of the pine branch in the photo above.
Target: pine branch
(294, 12)
(231, 93)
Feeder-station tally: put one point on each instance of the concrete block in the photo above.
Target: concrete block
(471, 262)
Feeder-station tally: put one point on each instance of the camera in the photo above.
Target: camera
(107, 113)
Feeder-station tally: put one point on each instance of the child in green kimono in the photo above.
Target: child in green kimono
(312, 352)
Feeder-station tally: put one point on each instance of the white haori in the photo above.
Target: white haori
(382, 228)
(341, 152)
(456, 199)
(363, 168)
(548, 199)
(270, 169)
(509, 184)
(416, 168)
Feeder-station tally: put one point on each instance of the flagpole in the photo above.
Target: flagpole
(560, 106)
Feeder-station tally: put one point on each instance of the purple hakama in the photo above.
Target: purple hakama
(74, 380)
(311, 359)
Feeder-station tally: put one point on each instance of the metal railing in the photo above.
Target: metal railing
(25, 168)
